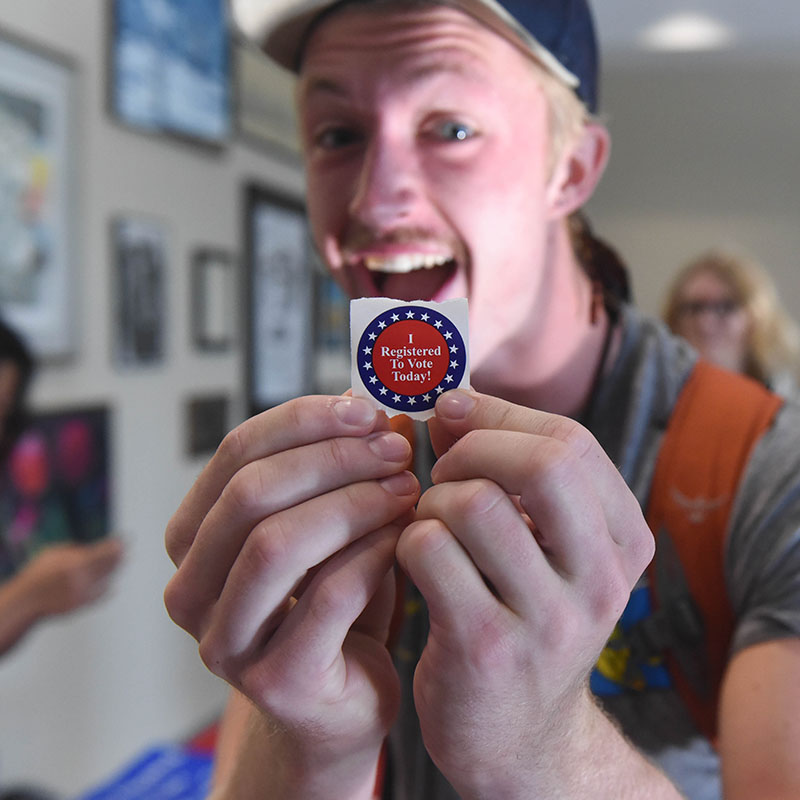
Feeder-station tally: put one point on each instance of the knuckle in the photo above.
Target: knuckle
(337, 455)
(477, 498)
(248, 487)
(213, 655)
(268, 545)
(550, 467)
(609, 597)
(495, 642)
(233, 448)
(331, 599)
(368, 501)
(642, 549)
(421, 538)
(179, 604)
(175, 539)
(301, 412)
(577, 437)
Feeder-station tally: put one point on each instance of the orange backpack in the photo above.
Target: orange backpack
(716, 422)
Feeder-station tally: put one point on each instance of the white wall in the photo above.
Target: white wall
(704, 153)
(82, 695)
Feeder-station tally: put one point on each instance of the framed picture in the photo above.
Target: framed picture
(37, 196)
(139, 250)
(206, 423)
(265, 115)
(54, 486)
(213, 300)
(170, 67)
(331, 336)
(279, 292)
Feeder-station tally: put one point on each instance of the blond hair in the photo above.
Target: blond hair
(774, 337)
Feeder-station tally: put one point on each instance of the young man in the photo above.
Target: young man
(447, 133)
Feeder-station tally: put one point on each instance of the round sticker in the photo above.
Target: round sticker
(409, 355)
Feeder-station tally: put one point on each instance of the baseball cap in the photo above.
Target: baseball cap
(558, 33)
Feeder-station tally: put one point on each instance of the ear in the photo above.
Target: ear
(578, 171)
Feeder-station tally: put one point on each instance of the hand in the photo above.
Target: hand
(284, 548)
(65, 577)
(526, 549)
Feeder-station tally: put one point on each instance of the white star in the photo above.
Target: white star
(453, 348)
(373, 337)
(395, 317)
(437, 324)
(373, 379)
(384, 390)
(439, 390)
(381, 324)
(448, 378)
(424, 317)
(367, 366)
(412, 401)
(454, 365)
(426, 398)
(448, 335)
(396, 398)
(367, 351)
(409, 315)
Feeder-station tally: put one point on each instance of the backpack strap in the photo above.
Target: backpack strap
(718, 418)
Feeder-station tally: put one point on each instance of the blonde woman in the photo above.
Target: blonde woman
(726, 306)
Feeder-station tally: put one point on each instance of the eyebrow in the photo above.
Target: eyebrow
(425, 72)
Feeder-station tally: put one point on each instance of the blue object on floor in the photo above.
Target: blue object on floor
(163, 773)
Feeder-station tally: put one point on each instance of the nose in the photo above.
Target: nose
(388, 184)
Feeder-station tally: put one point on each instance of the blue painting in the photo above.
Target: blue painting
(171, 67)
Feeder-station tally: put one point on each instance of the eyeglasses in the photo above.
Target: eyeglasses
(719, 308)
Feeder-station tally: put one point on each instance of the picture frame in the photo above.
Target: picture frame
(170, 68)
(265, 115)
(55, 484)
(213, 318)
(139, 245)
(331, 335)
(37, 190)
(207, 422)
(279, 295)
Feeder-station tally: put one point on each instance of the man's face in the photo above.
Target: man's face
(427, 154)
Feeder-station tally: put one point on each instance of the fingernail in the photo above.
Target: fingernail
(354, 411)
(404, 483)
(390, 446)
(455, 404)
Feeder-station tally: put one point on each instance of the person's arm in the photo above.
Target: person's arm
(60, 579)
(266, 764)
(759, 723)
(525, 549)
(18, 611)
(285, 548)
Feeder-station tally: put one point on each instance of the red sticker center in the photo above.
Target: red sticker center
(410, 357)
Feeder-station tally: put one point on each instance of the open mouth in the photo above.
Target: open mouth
(410, 276)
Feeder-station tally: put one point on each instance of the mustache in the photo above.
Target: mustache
(363, 237)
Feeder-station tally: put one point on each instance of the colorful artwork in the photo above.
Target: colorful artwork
(54, 485)
(36, 192)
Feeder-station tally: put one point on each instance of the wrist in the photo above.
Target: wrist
(27, 597)
(275, 765)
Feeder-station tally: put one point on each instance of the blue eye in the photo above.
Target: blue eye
(455, 131)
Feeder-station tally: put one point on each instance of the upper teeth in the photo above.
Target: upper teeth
(406, 262)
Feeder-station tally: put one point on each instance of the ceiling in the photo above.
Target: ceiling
(764, 30)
